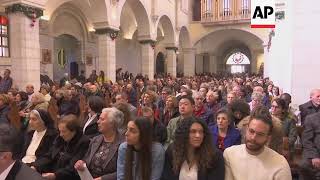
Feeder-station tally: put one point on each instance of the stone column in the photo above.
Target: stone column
(199, 63)
(24, 44)
(212, 63)
(189, 64)
(253, 62)
(147, 56)
(107, 52)
(172, 61)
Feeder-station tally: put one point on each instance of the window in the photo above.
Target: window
(226, 7)
(4, 36)
(238, 62)
(245, 6)
(238, 58)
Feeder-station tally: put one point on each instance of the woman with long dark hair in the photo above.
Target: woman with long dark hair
(192, 155)
(139, 158)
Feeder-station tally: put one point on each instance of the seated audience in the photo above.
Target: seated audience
(139, 158)
(223, 134)
(170, 110)
(310, 163)
(38, 141)
(4, 108)
(201, 111)
(158, 130)
(95, 104)
(68, 148)
(101, 157)
(254, 160)
(279, 109)
(238, 110)
(186, 105)
(10, 167)
(192, 155)
(22, 100)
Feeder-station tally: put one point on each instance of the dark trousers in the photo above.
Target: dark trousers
(307, 171)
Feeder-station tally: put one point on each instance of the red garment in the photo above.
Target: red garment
(221, 142)
(199, 112)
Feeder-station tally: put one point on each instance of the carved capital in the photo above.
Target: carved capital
(113, 33)
(173, 48)
(149, 41)
(29, 11)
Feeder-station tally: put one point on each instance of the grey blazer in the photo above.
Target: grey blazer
(111, 163)
(20, 171)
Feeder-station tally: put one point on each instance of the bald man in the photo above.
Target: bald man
(312, 106)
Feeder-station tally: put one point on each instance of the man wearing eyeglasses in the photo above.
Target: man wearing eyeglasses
(10, 168)
(254, 160)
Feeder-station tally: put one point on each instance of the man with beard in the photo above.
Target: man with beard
(266, 164)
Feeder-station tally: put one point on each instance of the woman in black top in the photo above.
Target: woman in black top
(192, 152)
(68, 148)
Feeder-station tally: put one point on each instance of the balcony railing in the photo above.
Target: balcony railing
(225, 11)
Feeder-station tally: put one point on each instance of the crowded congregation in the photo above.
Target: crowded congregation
(207, 126)
(159, 90)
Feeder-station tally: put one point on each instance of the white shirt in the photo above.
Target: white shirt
(35, 142)
(187, 173)
(91, 118)
(5, 173)
(268, 165)
(47, 97)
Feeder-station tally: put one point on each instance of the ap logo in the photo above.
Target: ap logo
(263, 14)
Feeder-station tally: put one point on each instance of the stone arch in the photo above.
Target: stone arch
(141, 16)
(230, 47)
(184, 38)
(75, 16)
(214, 46)
(168, 29)
(221, 29)
(184, 45)
(96, 10)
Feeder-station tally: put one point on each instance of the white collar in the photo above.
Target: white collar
(5, 173)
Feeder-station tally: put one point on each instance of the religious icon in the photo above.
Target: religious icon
(89, 60)
(46, 56)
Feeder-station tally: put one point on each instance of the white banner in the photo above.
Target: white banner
(263, 14)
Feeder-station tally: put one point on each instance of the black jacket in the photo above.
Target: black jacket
(311, 137)
(21, 171)
(92, 129)
(216, 172)
(159, 132)
(307, 109)
(4, 114)
(44, 145)
(62, 157)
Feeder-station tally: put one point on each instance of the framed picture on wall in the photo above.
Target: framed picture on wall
(89, 60)
(46, 56)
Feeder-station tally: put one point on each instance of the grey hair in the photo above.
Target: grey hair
(257, 96)
(196, 94)
(115, 116)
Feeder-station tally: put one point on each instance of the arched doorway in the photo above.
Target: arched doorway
(160, 63)
(238, 62)
(67, 57)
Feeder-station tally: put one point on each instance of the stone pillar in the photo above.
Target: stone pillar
(107, 52)
(147, 56)
(254, 61)
(171, 61)
(199, 63)
(189, 64)
(24, 44)
(212, 63)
